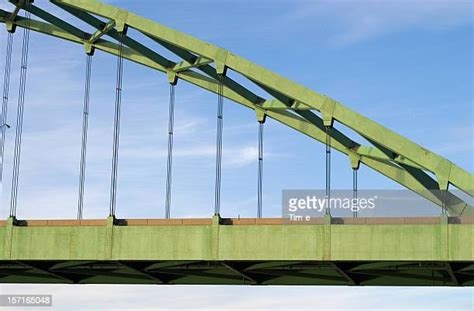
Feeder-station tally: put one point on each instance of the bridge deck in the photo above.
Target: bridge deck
(362, 251)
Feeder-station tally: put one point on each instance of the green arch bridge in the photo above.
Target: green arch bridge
(431, 251)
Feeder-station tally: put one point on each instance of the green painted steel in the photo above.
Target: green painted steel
(338, 249)
(217, 251)
(291, 104)
(446, 242)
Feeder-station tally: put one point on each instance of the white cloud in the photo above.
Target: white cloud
(354, 21)
(242, 157)
(461, 142)
(234, 156)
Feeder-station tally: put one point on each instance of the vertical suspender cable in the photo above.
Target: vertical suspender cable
(116, 141)
(85, 125)
(21, 105)
(170, 152)
(354, 190)
(220, 111)
(328, 170)
(6, 90)
(260, 170)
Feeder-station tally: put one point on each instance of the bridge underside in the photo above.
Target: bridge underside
(368, 273)
(352, 251)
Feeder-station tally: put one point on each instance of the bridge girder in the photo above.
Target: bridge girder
(364, 251)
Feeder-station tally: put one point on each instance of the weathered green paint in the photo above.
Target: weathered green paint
(184, 65)
(99, 33)
(331, 248)
(326, 253)
(443, 242)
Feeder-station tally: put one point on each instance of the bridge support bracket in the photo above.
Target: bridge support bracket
(172, 77)
(121, 26)
(327, 111)
(221, 68)
(220, 61)
(261, 115)
(443, 175)
(354, 160)
(89, 48)
(11, 27)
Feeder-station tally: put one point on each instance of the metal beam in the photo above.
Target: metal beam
(270, 265)
(185, 55)
(141, 272)
(273, 104)
(236, 271)
(18, 5)
(168, 264)
(47, 271)
(343, 273)
(184, 65)
(451, 273)
(54, 20)
(99, 33)
(133, 44)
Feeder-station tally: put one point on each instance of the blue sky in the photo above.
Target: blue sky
(405, 64)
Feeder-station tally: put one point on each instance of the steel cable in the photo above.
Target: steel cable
(354, 190)
(328, 170)
(85, 125)
(170, 152)
(3, 121)
(116, 139)
(260, 170)
(220, 117)
(20, 111)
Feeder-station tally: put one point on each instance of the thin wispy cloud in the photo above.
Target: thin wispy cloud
(461, 142)
(356, 21)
